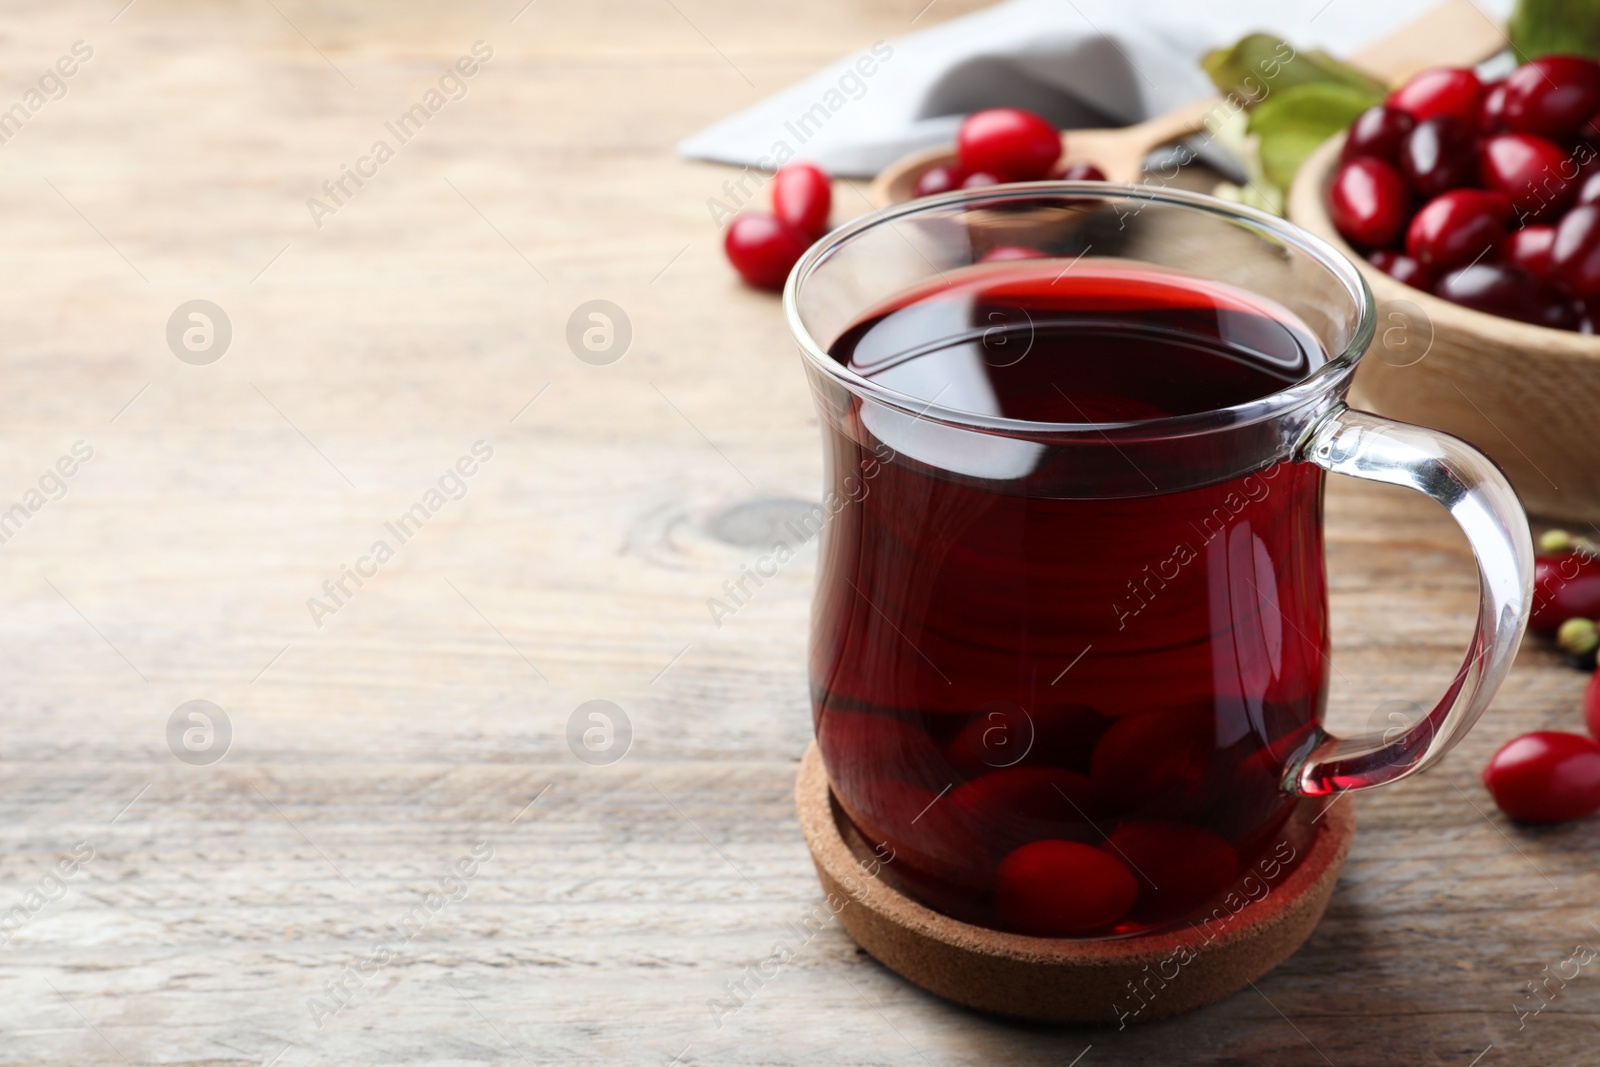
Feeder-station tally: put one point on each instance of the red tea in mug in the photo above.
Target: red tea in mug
(1067, 716)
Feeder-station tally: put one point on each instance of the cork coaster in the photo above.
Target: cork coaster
(1125, 980)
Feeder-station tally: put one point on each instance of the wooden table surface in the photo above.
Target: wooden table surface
(400, 774)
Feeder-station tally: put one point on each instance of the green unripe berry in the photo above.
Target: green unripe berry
(1578, 637)
(1555, 541)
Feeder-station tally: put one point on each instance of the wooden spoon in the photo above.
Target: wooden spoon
(1452, 34)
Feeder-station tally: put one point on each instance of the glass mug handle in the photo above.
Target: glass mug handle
(1480, 499)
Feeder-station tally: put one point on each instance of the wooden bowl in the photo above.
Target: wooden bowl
(1526, 395)
(1132, 979)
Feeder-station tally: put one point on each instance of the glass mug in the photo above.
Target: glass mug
(1068, 672)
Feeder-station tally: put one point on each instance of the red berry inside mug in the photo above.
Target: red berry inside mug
(1014, 144)
(1154, 762)
(802, 196)
(1545, 777)
(1055, 736)
(1062, 888)
(857, 746)
(932, 841)
(1013, 807)
(1178, 867)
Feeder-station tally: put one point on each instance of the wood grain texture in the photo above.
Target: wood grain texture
(370, 755)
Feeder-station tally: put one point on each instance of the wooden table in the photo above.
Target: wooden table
(211, 910)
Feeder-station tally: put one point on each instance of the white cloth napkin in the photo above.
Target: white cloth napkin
(1077, 62)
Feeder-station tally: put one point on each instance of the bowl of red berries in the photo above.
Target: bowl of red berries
(1473, 208)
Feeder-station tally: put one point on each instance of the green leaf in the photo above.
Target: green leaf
(1541, 27)
(1297, 100)
(1260, 66)
(1292, 123)
(1338, 70)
